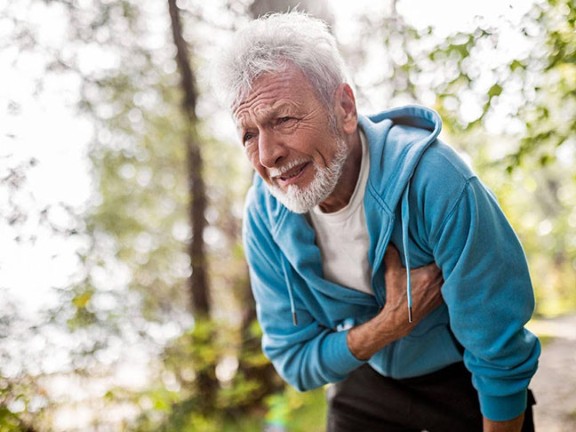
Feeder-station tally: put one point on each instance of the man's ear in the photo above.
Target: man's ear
(345, 106)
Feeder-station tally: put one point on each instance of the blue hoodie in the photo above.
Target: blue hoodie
(424, 199)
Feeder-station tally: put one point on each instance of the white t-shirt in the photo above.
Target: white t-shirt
(342, 236)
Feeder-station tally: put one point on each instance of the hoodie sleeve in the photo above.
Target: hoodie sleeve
(487, 286)
(306, 354)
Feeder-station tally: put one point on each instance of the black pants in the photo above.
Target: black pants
(444, 401)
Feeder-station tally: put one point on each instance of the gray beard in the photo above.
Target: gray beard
(302, 200)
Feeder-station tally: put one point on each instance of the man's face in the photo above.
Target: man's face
(286, 133)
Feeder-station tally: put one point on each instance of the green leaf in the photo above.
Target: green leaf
(495, 90)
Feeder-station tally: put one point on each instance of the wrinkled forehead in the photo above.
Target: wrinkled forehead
(271, 92)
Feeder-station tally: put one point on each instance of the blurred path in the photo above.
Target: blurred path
(554, 384)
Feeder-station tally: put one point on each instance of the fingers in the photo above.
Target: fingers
(428, 276)
(426, 290)
(426, 301)
(394, 276)
(432, 269)
(426, 282)
(424, 309)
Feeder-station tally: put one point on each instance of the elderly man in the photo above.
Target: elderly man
(339, 203)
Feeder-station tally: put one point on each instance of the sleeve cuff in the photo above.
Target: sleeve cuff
(502, 408)
(341, 356)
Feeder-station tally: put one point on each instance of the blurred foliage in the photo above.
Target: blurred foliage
(528, 159)
(510, 111)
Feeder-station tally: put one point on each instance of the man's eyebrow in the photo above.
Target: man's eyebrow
(275, 110)
(266, 114)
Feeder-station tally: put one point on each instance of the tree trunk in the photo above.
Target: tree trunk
(198, 281)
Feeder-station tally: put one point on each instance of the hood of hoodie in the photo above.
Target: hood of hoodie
(396, 138)
(408, 131)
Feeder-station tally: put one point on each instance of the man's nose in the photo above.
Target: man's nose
(271, 149)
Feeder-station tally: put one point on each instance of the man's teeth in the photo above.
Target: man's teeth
(292, 174)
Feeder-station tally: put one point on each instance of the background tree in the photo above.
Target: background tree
(199, 282)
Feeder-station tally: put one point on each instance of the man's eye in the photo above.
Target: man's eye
(247, 138)
(285, 121)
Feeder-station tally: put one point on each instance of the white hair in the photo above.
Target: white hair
(269, 43)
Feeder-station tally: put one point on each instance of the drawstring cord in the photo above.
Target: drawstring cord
(405, 221)
(290, 294)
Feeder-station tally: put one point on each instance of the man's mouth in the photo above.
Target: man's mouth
(291, 174)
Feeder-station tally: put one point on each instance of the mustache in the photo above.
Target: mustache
(277, 172)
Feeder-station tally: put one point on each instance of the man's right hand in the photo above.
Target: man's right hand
(392, 322)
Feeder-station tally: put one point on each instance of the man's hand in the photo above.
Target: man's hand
(392, 322)
(426, 283)
(514, 425)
